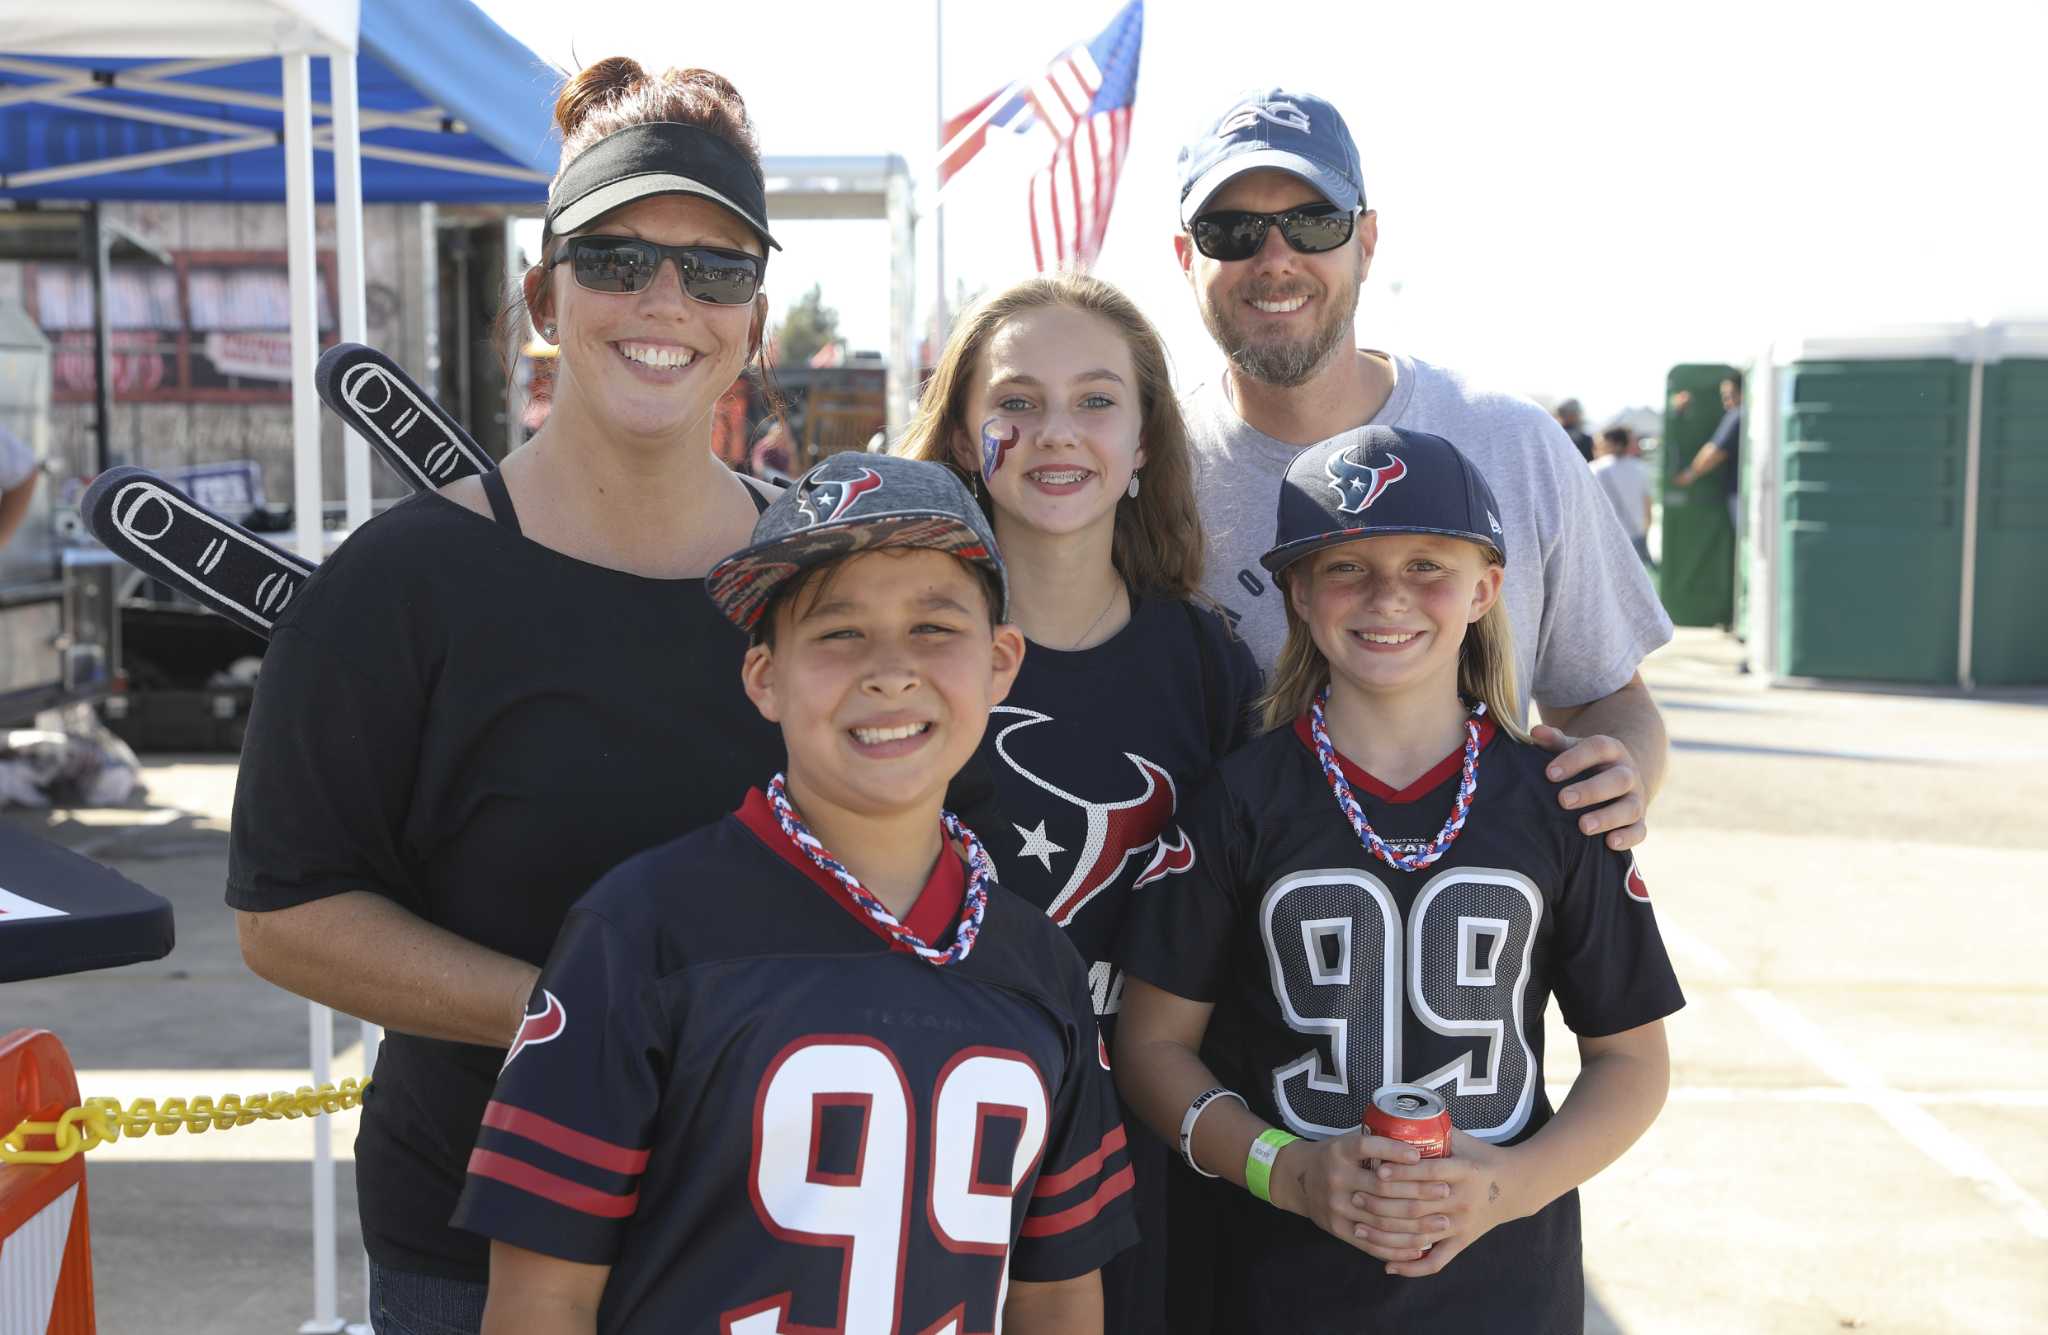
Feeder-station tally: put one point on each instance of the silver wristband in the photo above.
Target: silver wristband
(1193, 1115)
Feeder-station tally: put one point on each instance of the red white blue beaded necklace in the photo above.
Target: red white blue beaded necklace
(981, 870)
(1468, 784)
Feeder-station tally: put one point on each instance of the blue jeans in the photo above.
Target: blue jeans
(403, 1302)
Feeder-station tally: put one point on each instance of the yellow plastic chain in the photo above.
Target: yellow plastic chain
(100, 1122)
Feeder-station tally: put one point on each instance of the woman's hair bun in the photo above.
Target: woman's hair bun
(594, 86)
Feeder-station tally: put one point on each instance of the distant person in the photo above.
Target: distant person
(1624, 477)
(1722, 450)
(1572, 418)
(18, 476)
(1276, 242)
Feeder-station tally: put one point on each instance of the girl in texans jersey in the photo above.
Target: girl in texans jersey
(1383, 890)
(1054, 397)
(810, 1068)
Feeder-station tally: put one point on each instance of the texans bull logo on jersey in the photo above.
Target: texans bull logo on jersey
(542, 1026)
(826, 499)
(1357, 484)
(1113, 829)
(1638, 889)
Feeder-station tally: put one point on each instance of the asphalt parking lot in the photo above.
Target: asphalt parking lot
(1854, 886)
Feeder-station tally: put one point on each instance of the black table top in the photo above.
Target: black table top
(62, 913)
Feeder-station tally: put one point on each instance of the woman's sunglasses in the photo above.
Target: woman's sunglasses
(1310, 229)
(629, 264)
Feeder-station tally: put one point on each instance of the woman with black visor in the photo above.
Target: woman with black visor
(492, 695)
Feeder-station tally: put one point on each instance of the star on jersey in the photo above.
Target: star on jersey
(1036, 845)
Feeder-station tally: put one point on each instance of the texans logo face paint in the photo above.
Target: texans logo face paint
(825, 499)
(994, 447)
(1638, 889)
(543, 1026)
(1115, 830)
(1358, 486)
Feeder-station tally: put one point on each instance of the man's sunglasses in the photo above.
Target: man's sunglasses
(1310, 229)
(629, 264)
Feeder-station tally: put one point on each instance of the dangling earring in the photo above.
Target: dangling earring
(1132, 490)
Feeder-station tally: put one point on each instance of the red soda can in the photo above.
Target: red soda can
(1411, 1114)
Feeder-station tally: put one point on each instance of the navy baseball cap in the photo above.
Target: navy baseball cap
(849, 504)
(1298, 133)
(1381, 480)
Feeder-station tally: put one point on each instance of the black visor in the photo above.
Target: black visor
(660, 158)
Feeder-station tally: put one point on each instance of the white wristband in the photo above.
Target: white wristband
(1193, 1115)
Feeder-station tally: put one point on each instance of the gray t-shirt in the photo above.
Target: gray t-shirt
(1583, 612)
(1626, 481)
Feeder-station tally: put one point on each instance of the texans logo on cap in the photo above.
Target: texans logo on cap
(1287, 115)
(1358, 485)
(825, 499)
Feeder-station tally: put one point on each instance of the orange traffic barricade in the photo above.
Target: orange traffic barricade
(45, 1244)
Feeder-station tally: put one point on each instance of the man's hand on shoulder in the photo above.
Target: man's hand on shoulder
(1609, 790)
(1611, 754)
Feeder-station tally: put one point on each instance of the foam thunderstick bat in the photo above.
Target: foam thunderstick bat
(380, 402)
(154, 527)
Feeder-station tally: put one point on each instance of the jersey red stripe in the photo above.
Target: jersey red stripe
(560, 1190)
(1052, 1184)
(1045, 1225)
(532, 1126)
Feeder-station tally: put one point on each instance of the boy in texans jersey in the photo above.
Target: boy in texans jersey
(810, 1068)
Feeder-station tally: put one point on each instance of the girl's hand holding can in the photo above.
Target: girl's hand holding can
(1470, 1192)
(1328, 1181)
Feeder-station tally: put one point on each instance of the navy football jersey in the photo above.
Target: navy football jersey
(734, 1090)
(1089, 754)
(1334, 974)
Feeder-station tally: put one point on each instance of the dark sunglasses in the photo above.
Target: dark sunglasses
(629, 264)
(1310, 229)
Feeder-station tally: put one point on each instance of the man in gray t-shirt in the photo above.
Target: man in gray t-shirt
(1276, 243)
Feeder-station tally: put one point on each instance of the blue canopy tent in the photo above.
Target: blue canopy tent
(225, 101)
(220, 101)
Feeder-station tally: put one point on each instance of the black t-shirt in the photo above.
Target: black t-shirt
(478, 727)
(1334, 973)
(1089, 755)
(771, 1117)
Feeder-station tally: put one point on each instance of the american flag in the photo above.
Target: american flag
(1081, 102)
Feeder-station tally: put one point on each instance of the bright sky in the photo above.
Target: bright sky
(1572, 196)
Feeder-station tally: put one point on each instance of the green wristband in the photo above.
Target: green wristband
(1258, 1165)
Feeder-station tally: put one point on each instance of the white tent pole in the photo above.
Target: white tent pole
(901, 381)
(348, 248)
(306, 501)
(71, 171)
(431, 119)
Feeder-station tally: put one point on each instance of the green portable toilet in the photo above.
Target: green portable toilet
(2008, 626)
(1896, 490)
(1696, 569)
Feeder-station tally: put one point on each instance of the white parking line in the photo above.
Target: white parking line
(1966, 1098)
(1901, 1111)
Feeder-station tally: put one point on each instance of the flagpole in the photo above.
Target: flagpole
(939, 201)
